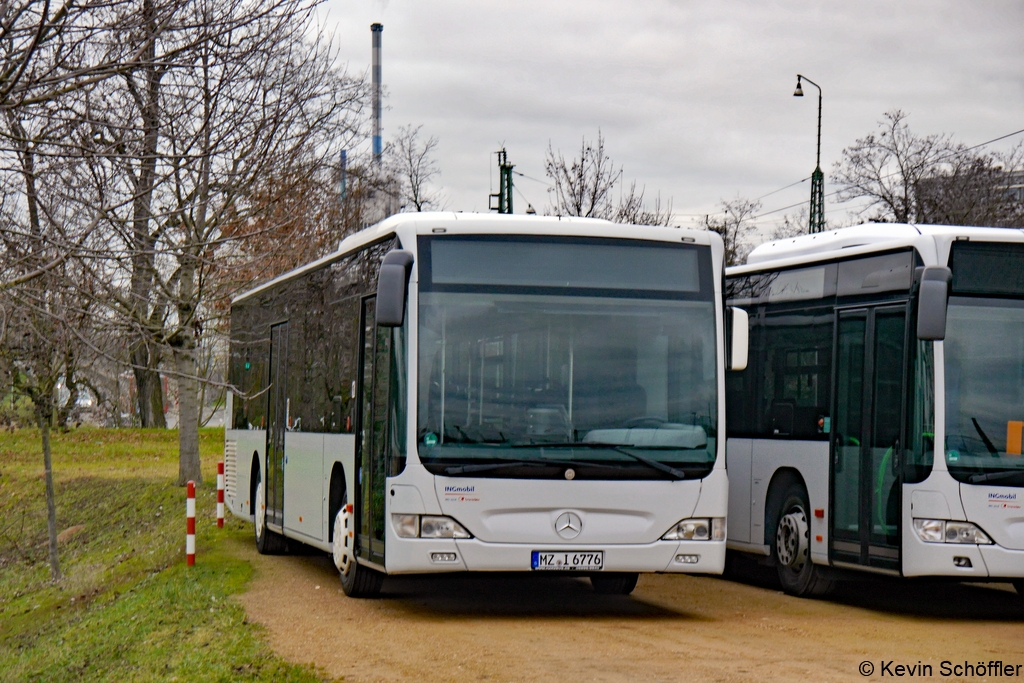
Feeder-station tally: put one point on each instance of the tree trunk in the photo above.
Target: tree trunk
(149, 392)
(51, 503)
(188, 418)
(143, 269)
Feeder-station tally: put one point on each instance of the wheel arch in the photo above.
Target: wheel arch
(254, 475)
(335, 494)
(783, 478)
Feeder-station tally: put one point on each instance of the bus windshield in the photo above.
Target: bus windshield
(582, 360)
(984, 359)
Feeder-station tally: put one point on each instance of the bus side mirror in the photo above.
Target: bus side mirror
(393, 287)
(739, 338)
(932, 298)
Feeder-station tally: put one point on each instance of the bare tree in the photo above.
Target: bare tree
(43, 318)
(583, 185)
(735, 225)
(633, 210)
(906, 178)
(292, 217)
(975, 190)
(793, 225)
(206, 129)
(49, 49)
(885, 168)
(411, 158)
(42, 328)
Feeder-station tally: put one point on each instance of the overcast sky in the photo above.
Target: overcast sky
(694, 99)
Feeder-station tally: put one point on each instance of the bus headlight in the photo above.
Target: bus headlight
(942, 531)
(406, 526)
(965, 532)
(697, 530)
(929, 530)
(428, 526)
(441, 527)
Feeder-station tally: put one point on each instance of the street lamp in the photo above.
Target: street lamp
(816, 221)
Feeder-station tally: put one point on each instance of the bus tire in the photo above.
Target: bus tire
(267, 541)
(791, 546)
(1019, 585)
(357, 581)
(614, 583)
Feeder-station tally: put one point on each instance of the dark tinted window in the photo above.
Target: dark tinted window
(795, 284)
(608, 265)
(885, 273)
(785, 390)
(248, 370)
(322, 308)
(741, 387)
(795, 377)
(992, 268)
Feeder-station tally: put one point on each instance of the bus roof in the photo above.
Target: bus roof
(406, 225)
(931, 240)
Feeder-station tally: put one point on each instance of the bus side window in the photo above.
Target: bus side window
(795, 384)
(920, 450)
(398, 400)
(742, 387)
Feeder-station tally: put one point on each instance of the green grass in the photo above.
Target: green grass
(127, 608)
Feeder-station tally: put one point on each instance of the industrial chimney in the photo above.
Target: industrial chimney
(375, 31)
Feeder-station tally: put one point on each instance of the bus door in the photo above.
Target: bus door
(866, 431)
(277, 419)
(373, 430)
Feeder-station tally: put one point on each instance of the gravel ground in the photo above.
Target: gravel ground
(521, 627)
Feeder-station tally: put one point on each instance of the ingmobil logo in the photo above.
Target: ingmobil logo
(993, 496)
(460, 489)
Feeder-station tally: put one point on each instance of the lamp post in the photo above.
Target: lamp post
(816, 222)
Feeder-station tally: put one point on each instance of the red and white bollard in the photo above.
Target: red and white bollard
(220, 494)
(190, 534)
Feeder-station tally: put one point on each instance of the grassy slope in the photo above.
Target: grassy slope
(128, 608)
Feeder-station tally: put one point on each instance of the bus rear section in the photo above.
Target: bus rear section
(490, 394)
(876, 427)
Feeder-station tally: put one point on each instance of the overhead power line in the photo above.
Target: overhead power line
(888, 175)
(523, 175)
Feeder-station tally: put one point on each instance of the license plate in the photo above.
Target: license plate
(562, 560)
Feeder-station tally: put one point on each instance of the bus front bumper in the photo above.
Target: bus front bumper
(415, 556)
(967, 561)
(1003, 563)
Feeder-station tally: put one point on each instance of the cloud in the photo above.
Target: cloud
(694, 99)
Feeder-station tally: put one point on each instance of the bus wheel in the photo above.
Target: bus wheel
(356, 580)
(267, 542)
(792, 547)
(1019, 585)
(618, 583)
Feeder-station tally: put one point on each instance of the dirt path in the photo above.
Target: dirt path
(673, 628)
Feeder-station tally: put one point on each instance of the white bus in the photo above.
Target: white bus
(878, 425)
(459, 392)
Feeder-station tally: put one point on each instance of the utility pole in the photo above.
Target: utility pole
(502, 202)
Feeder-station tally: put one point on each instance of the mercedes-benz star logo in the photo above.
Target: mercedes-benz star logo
(568, 525)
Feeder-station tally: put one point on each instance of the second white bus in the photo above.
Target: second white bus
(878, 425)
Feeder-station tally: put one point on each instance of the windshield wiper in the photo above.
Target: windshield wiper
(984, 438)
(996, 476)
(650, 462)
